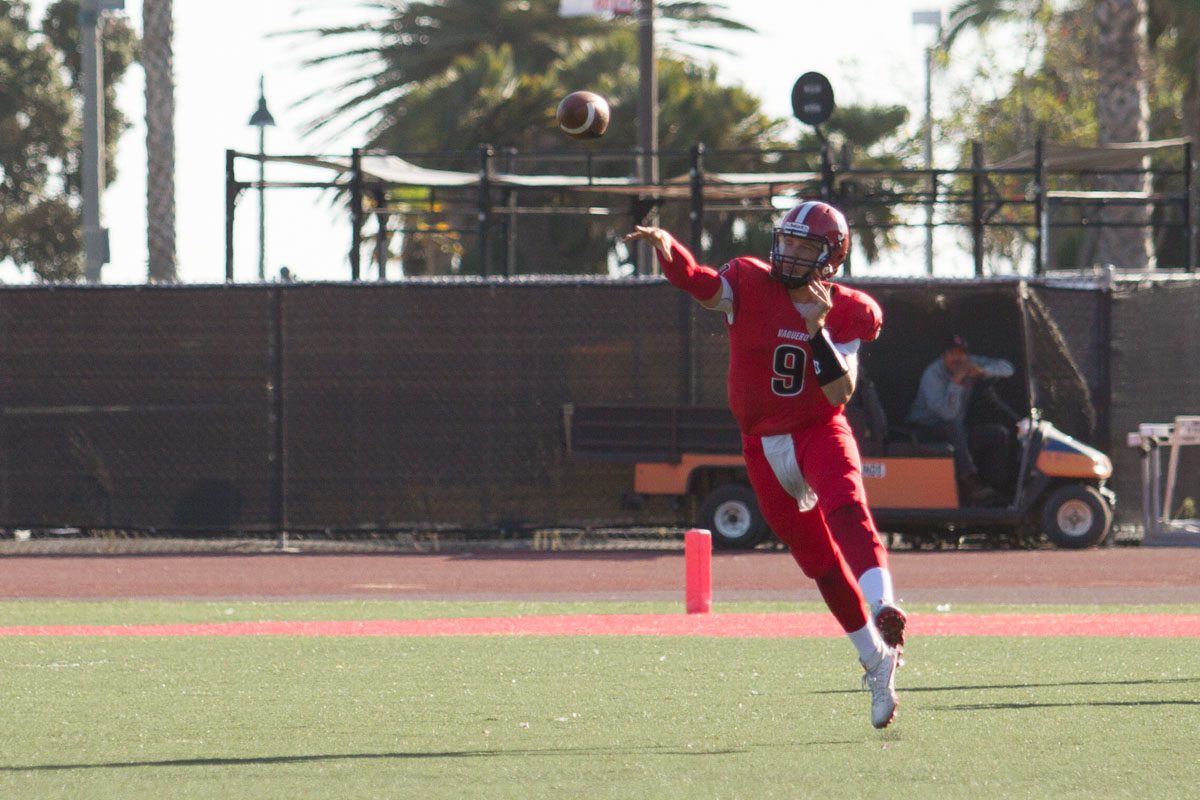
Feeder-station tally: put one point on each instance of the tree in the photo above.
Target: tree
(456, 73)
(1123, 115)
(1060, 98)
(414, 43)
(1053, 100)
(37, 226)
(40, 134)
(868, 138)
(1174, 34)
(1121, 92)
(489, 100)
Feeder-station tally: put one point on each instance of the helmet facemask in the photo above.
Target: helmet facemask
(808, 256)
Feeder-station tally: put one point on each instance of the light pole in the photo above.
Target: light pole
(95, 237)
(261, 119)
(647, 120)
(934, 19)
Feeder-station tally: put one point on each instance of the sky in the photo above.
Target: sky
(869, 49)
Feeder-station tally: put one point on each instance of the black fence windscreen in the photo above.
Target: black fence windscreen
(1155, 376)
(919, 315)
(134, 407)
(441, 403)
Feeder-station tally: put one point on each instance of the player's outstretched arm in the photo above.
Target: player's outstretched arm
(679, 265)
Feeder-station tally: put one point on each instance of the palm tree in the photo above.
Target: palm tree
(413, 43)
(445, 74)
(1175, 39)
(1123, 115)
(488, 100)
(1122, 109)
(158, 60)
(979, 14)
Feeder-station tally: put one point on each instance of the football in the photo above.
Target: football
(583, 115)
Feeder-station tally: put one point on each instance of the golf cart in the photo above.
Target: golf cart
(1053, 483)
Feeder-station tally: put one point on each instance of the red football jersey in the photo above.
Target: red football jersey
(773, 386)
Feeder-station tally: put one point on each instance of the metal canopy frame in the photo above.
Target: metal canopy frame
(580, 188)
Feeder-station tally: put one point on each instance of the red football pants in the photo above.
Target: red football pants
(827, 457)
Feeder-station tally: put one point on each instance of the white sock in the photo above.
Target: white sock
(868, 643)
(876, 586)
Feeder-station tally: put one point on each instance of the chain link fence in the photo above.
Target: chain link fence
(430, 413)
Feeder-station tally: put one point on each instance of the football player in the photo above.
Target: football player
(793, 343)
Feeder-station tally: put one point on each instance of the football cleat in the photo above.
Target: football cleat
(881, 680)
(890, 622)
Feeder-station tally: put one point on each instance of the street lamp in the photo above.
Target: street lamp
(934, 19)
(95, 237)
(262, 119)
(644, 260)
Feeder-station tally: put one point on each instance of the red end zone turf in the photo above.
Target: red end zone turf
(721, 625)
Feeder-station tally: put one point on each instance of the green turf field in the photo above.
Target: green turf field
(577, 717)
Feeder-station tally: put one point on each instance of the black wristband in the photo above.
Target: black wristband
(828, 362)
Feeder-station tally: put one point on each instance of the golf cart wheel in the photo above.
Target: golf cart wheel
(1076, 516)
(731, 512)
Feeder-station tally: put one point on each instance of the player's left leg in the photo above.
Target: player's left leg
(831, 464)
(804, 533)
(776, 481)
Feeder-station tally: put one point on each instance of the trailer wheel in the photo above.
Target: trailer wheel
(731, 512)
(1076, 516)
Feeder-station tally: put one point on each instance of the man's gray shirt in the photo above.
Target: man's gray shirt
(940, 399)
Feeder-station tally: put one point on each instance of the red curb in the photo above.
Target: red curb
(713, 625)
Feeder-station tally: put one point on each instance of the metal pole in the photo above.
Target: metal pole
(356, 211)
(486, 151)
(977, 206)
(696, 175)
(95, 238)
(261, 119)
(262, 204)
(381, 233)
(510, 219)
(1189, 226)
(1156, 505)
(1103, 436)
(510, 232)
(231, 193)
(647, 119)
(696, 215)
(647, 93)
(276, 454)
(826, 173)
(1039, 193)
(929, 160)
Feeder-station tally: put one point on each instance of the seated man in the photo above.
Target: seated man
(940, 409)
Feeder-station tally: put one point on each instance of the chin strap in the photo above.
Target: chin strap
(791, 281)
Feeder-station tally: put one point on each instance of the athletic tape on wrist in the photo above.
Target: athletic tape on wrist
(829, 362)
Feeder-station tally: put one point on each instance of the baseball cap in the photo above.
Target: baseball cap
(955, 341)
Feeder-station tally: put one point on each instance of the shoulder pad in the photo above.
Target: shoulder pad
(855, 315)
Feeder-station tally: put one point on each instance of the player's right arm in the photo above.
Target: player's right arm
(679, 266)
